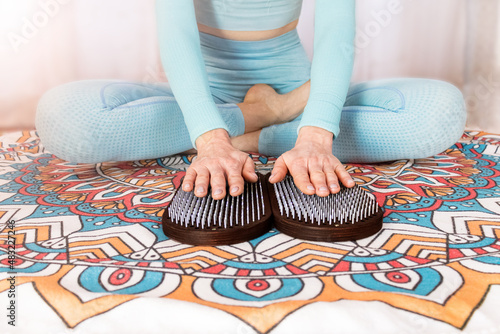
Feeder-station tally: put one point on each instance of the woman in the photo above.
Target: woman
(242, 82)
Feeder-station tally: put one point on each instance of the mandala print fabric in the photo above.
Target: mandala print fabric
(89, 238)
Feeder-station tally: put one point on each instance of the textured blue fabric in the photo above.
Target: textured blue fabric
(96, 121)
(244, 15)
(332, 65)
(382, 120)
(184, 64)
(387, 119)
(235, 66)
(103, 120)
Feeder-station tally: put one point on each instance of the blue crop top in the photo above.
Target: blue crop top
(331, 68)
(245, 15)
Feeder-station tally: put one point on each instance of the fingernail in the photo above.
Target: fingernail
(350, 182)
(199, 190)
(333, 186)
(310, 187)
(273, 175)
(235, 189)
(218, 192)
(185, 187)
(323, 188)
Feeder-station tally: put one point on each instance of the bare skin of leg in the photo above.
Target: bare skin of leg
(263, 107)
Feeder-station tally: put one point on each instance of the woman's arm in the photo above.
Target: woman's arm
(332, 64)
(184, 66)
(311, 162)
(183, 62)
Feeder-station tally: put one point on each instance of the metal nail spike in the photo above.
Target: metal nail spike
(278, 190)
(246, 206)
(200, 214)
(205, 212)
(217, 207)
(210, 212)
(188, 200)
(252, 200)
(242, 209)
(349, 206)
(258, 197)
(231, 215)
(226, 205)
(236, 211)
(195, 210)
(280, 204)
(261, 197)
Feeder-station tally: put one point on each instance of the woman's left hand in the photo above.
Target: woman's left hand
(315, 170)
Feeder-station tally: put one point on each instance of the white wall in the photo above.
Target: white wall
(84, 39)
(424, 38)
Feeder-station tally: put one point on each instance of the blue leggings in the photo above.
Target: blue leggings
(382, 120)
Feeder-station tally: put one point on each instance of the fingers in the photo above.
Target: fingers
(215, 178)
(197, 180)
(315, 177)
(201, 182)
(344, 176)
(319, 175)
(234, 179)
(216, 173)
(279, 170)
(301, 178)
(298, 170)
(325, 176)
(218, 183)
(331, 179)
(298, 167)
(318, 179)
(201, 177)
(249, 171)
(188, 182)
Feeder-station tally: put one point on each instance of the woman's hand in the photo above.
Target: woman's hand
(312, 165)
(217, 160)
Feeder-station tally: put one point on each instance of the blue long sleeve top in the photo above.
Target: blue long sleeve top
(183, 62)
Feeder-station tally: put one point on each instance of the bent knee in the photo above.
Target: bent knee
(63, 123)
(441, 117)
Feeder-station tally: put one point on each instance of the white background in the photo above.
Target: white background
(452, 40)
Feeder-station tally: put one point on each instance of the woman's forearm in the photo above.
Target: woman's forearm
(332, 64)
(184, 66)
(315, 134)
(216, 135)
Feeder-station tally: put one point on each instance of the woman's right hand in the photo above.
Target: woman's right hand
(217, 160)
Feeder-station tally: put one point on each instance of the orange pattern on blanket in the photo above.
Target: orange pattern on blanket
(88, 237)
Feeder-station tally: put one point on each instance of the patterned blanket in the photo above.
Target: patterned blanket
(80, 242)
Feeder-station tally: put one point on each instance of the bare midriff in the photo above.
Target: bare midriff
(248, 35)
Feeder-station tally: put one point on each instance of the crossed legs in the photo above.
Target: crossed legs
(382, 120)
(390, 119)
